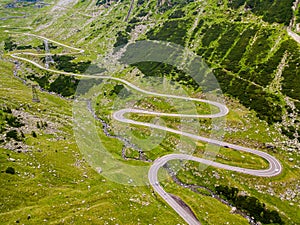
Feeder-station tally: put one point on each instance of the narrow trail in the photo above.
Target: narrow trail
(274, 169)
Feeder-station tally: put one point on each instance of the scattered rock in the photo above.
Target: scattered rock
(99, 169)
(233, 210)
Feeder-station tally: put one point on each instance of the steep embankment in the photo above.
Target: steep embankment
(243, 41)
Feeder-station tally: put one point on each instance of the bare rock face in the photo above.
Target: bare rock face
(298, 27)
(63, 4)
(233, 210)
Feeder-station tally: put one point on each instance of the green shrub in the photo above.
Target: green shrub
(122, 39)
(177, 14)
(211, 34)
(172, 30)
(13, 134)
(64, 62)
(13, 121)
(250, 205)
(237, 52)
(33, 134)
(120, 90)
(9, 44)
(273, 11)
(10, 170)
(236, 3)
(227, 40)
(64, 85)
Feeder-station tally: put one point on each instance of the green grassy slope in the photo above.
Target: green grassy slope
(53, 182)
(254, 60)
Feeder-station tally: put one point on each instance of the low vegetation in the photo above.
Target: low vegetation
(255, 62)
(250, 205)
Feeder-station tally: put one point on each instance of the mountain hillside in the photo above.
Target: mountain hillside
(252, 47)
(245, 42)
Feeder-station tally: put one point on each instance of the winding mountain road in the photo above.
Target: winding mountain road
(274, 169)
